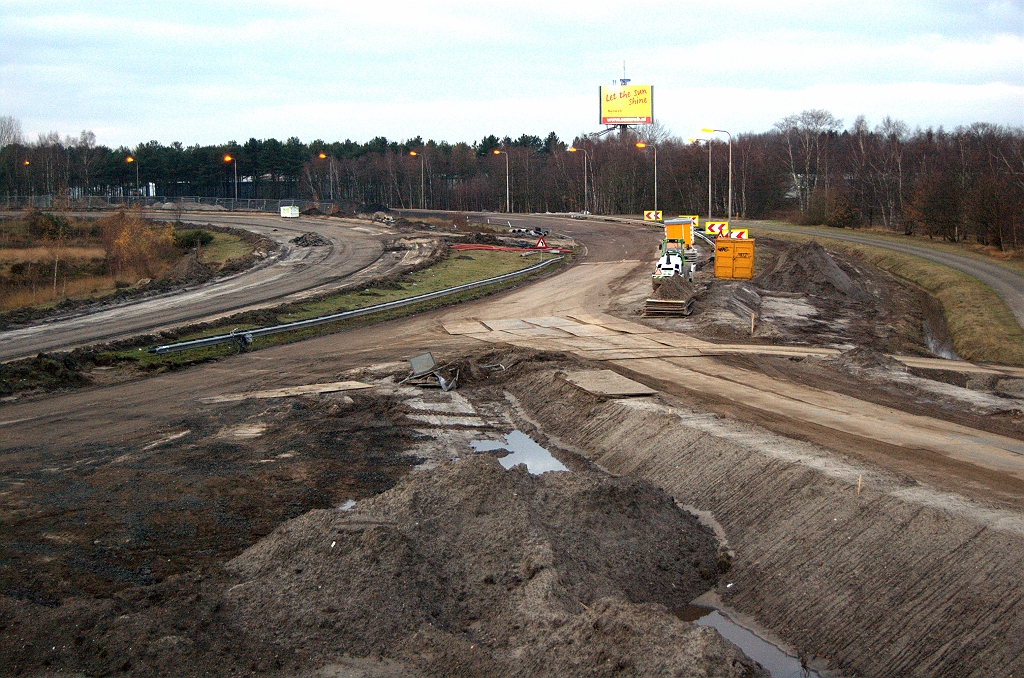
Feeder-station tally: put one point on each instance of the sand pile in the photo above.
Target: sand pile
(809, 269)
(311, 240)
(473, 570)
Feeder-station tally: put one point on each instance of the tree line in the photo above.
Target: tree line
(963, 183)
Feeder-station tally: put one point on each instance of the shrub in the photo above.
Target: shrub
(190, 239)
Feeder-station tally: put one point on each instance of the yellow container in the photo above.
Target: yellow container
(674, 231)
(734, 259)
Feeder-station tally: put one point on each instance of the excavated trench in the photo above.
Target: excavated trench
(894, 578)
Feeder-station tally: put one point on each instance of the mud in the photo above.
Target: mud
(901, 578)
(114, 550)
(804, 294)
(498, 572)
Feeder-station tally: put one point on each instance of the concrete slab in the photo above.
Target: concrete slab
(587, 330)
(550, 321)
(506, 324)
(539, 332)
(607, 383)
(613, 323)
(464, 327)
(289, 391)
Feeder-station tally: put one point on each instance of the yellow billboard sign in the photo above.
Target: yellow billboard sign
(627, 104)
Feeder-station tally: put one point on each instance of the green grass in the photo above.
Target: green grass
(223, 249)
(980, 324)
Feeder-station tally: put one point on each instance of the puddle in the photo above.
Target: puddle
(523, 451)
(777, 662)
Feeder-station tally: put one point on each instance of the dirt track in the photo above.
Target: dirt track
(921, 569)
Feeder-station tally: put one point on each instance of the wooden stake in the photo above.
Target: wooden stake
(859, 479)
(751, 324)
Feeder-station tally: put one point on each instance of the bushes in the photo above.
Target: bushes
(190, 239)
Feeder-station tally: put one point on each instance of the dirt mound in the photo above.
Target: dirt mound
(311, 212)
(863, 358)
(674, 288)
(809, 269)
(185, 271)
(311, 240)
(474, 570)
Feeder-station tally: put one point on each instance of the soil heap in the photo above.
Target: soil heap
(185, 271)
(311, 240)
(474, 570)
(809, 269)
(674, 288)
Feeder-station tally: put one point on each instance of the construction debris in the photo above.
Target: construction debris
(311, 240)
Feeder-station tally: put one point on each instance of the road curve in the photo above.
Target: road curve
(1006, 283)
(288, 271)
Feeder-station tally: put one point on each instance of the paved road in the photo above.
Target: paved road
(1006, 283)
(288, 271)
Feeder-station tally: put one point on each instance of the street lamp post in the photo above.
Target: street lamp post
(131, 160)
(642, 145)
(508, 192)
(323, 156)
(722, 131)
(229, 158)
(586, 159)
(707, 142)
(423, 182)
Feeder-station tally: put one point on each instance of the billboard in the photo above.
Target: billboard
(627, 104)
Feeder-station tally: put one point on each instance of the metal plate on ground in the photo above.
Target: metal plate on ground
(607, 383)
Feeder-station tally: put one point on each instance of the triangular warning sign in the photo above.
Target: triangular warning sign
(541, 244)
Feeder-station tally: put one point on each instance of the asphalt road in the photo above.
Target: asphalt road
(1006, 283)
(288, 271)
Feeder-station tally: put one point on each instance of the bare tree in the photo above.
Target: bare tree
(10, 131)
(806, 150)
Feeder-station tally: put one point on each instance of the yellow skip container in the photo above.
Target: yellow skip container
(734, 259)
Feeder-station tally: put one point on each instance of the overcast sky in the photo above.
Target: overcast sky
(217, 71)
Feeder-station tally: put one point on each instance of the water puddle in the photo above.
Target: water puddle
(777, 662)
(523, 451)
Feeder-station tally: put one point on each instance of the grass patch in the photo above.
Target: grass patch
(980, 324)
(224, 248)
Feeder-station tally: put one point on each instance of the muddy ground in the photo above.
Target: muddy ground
(201, 544)
(134, 557)
(804, 294)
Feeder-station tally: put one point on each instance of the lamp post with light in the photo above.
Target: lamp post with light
(707, 130)
(229, 158)
(641, 145)
(508, 192)
(130, 160)
(423, 182)
(586, 159)
(707, 142)
(323, 156)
